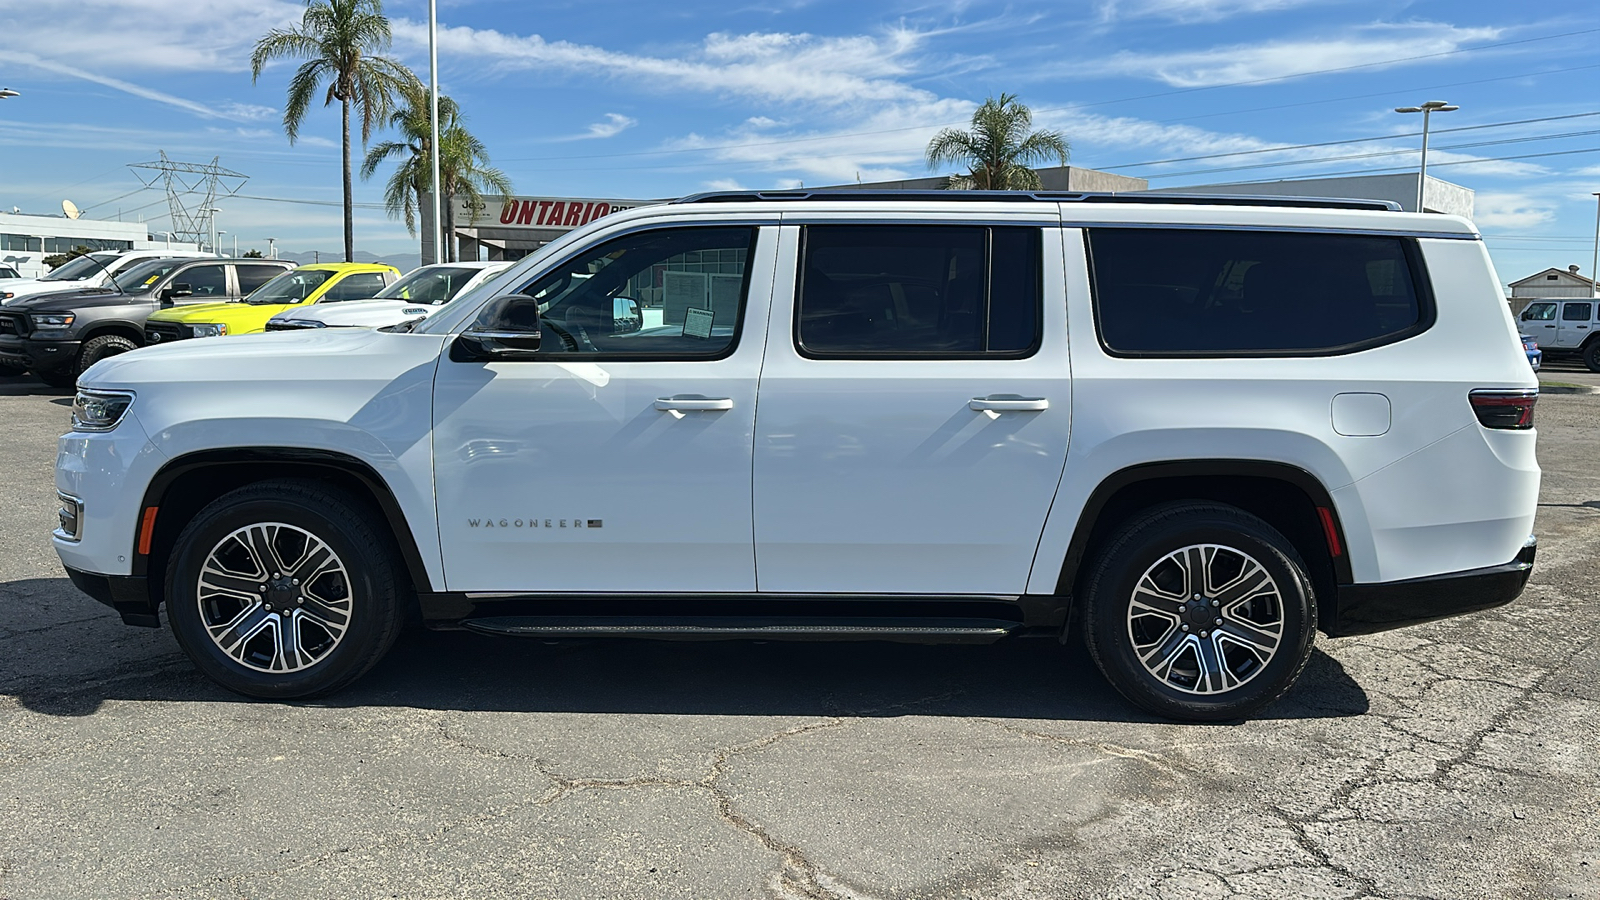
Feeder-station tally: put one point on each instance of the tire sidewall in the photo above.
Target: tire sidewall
(1131, 556)
(1591, 356)
(94, 350)
(372, 608)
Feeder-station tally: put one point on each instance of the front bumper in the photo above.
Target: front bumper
(1370, 608)
(129, 595)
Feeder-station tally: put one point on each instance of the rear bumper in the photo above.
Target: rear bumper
(1370, 608)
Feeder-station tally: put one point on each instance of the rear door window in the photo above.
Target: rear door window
(919, 291)
(252, 277)
(1575, 312)
(1190, 292)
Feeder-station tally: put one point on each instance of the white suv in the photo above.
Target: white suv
(1196, 429)
(1565, 328)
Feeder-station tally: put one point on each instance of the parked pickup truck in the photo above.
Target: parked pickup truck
(60, 335)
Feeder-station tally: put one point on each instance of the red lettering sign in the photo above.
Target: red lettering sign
(558, 210)
(574, 215)
(508, 212)
(528, 209)
(600, 209)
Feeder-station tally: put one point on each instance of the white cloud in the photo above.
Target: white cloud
(1187, 11)
(615, 124)
(792, 68)
(724, 184)
(1366, 45)
(1516, 211)
(235, 111)
(125, 36)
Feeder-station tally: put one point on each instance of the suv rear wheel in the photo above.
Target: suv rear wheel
(284, 589)
(1591, 356)
(1199, 612)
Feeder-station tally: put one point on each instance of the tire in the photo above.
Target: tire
(96, 349)
(1225, 673)
(58, 378)
(343, 619)
(1591, 356)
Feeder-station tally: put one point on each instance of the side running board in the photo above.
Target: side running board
(917, 630)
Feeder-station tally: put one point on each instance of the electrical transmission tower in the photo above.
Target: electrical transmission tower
(201, 184)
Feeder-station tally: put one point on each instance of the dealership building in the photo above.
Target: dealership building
(25, 240)
(512, 227)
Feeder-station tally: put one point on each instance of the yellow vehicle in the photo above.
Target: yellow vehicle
(320, 283)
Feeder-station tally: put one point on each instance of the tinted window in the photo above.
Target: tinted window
(432, 286)
(360, 286)
(665, 294)
(1184, 293)
(1539, 312)
(205, 281)
(252, 277)
(1575, 312)
(886, 291)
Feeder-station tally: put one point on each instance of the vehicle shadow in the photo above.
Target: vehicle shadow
(460, 671)
(26, 385)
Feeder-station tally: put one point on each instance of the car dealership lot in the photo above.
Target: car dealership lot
(1449, 760)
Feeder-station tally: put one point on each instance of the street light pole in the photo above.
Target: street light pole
(1594, 274)
(433, 126)
(213, 220)
(1427, 109)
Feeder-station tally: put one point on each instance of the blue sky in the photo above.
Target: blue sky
(638, 100)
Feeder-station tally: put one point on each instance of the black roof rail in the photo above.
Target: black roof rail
(1047, 197)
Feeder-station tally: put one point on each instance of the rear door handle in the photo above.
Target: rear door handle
(1009, 404)
(693, 404)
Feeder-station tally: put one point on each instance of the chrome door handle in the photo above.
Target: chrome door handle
(693, 404)
(1009, 404)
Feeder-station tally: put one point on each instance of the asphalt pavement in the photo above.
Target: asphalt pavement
(1451, 760)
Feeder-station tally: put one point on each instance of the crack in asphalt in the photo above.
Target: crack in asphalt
(797, 876)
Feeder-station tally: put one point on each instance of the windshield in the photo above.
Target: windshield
(293, 286)
(141, 278)
(432, 286)
(83, 267)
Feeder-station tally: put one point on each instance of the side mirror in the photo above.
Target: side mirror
(506, 329)
(177, 291)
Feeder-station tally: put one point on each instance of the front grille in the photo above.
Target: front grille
(165, 332)
(14, 324)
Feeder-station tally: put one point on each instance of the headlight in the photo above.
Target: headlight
(6, 295)
(61, 321)
(210, 330)
(99, 410)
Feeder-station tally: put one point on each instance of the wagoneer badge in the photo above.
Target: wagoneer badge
(535, 523)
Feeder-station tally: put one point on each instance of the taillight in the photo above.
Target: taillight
(1504, 409)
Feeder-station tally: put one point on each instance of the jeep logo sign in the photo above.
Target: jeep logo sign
(547, 213)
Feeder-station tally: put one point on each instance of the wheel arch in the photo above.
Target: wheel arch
(119, 328)
(182, 487)
(1287, 497)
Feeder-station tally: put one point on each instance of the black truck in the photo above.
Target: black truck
(57, 336)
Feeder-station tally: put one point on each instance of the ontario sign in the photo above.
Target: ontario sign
(544, 213)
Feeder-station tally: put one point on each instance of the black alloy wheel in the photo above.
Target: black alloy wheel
(285, 589)
(1199, 612)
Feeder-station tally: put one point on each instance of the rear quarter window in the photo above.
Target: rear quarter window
(1191, 292)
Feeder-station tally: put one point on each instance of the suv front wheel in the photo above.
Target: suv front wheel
(284, 589)
(1199, 612)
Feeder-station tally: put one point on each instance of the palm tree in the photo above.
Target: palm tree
(463, 164)
(999, 149)
(341, 40)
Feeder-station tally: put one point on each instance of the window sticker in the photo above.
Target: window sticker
(151, 279)
(697, 322)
